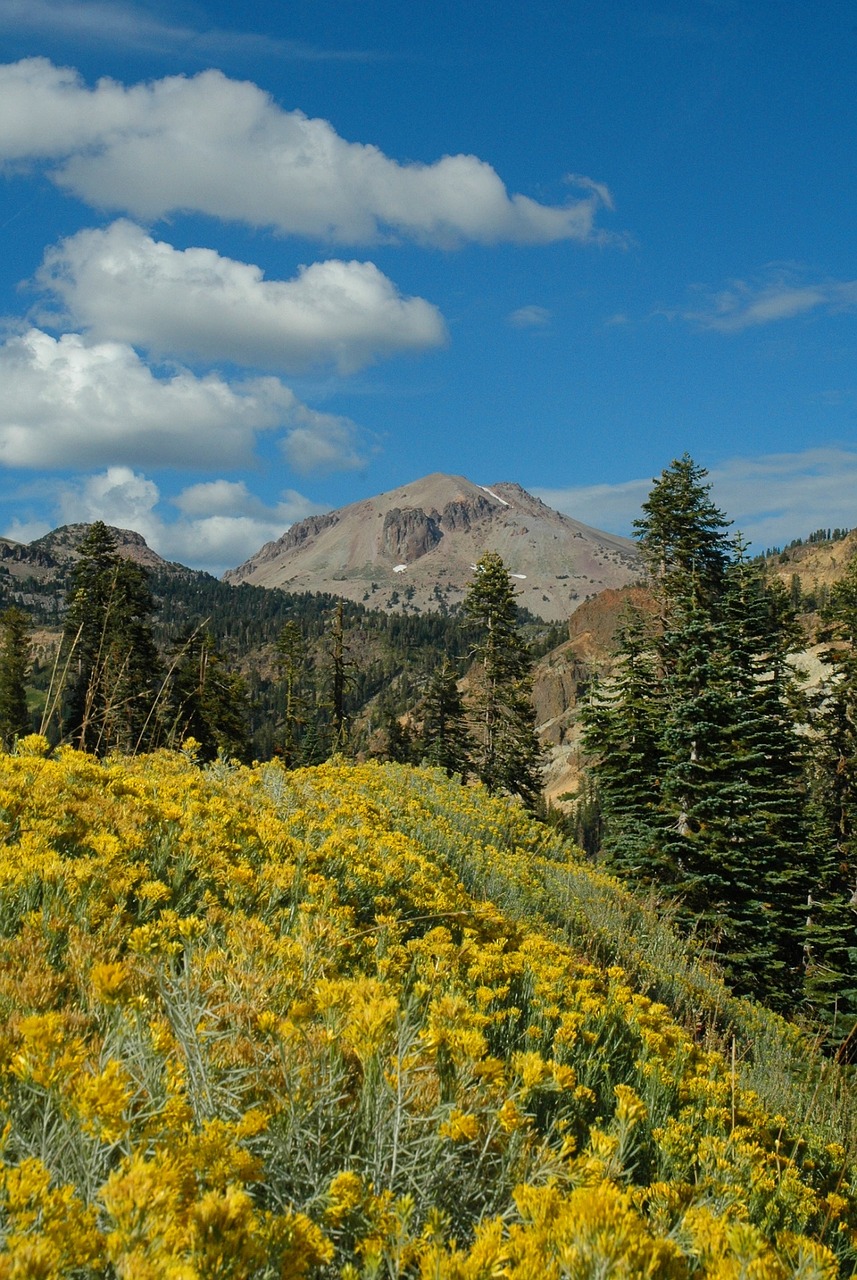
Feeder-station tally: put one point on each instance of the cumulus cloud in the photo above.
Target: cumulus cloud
(223, 147)
(771, 498)
(67, 403)
(25, 530)
(749, 304)
(119, 283)
(119, 496)
(220, 526)
(532, 317)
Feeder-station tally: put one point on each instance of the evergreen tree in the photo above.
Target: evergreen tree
(396, 736)
(206, 701)
(831, 980)
(340, 678)
(14, 665)
(291, 660)
(586, 822)
(731, 786)
(697, 757)
(444, 740)
(108, 649)
(682, 533)
(622, 736)
(507, 754)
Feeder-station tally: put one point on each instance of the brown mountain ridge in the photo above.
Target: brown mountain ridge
(416, 547)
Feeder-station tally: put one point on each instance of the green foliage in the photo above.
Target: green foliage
(622, 730)
(507, 755)
(108, 652)
(832, 908)
(14, 667)
(205, 701)
(682, 533)
(291, 659)
(444, 739)
(696, 751)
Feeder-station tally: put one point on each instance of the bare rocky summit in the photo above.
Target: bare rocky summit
(49, 558)
(415, 547)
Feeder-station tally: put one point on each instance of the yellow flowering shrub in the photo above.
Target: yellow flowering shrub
(327, 1023)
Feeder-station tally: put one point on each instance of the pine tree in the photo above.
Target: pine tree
(206, 701)
(444, 740)
(507, 755)
(14, 665)
(697, 756)
(682, 533)
(291, 661)
(622, 736)
(340, 678)
(831, 979)
(108, 649)
(732, 789)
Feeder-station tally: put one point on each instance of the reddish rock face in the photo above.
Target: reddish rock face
(408, 534)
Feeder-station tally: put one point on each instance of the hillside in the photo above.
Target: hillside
(359, 1020)
(813, 565)
(415, 548)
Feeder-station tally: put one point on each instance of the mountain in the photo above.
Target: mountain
(48, 559)
(415, 547)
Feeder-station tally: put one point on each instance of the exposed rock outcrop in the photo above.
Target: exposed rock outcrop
(408, 534)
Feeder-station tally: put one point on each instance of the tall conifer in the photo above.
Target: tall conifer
(507, 754)
(14, 665)
(444, 739)
(622, 734)
(108, 649)
(831, 983)
(699, 759)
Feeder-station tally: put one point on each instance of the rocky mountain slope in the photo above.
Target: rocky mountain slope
(48, 559)
(815, 565)
(416, 546)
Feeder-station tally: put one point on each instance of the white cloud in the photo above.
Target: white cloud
(323, 443)
(216, 497)
(25, 530)
(221, 523)
(66, 403)
(121, 284)
(611, 507)
(771, 498)
(532, 317)
(131, 27)
(782, 496)
(119, 496)
(223, 147)
(745, 305)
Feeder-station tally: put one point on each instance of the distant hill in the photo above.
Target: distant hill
(813, 565)
(415, 548)
(45, 563)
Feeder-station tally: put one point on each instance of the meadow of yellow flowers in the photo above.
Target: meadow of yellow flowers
(260, 1024)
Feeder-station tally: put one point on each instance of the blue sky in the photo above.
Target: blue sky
(257, 264)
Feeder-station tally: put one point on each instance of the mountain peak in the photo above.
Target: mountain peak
(414, 548)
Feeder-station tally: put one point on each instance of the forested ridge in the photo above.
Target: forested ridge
(237, 632)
